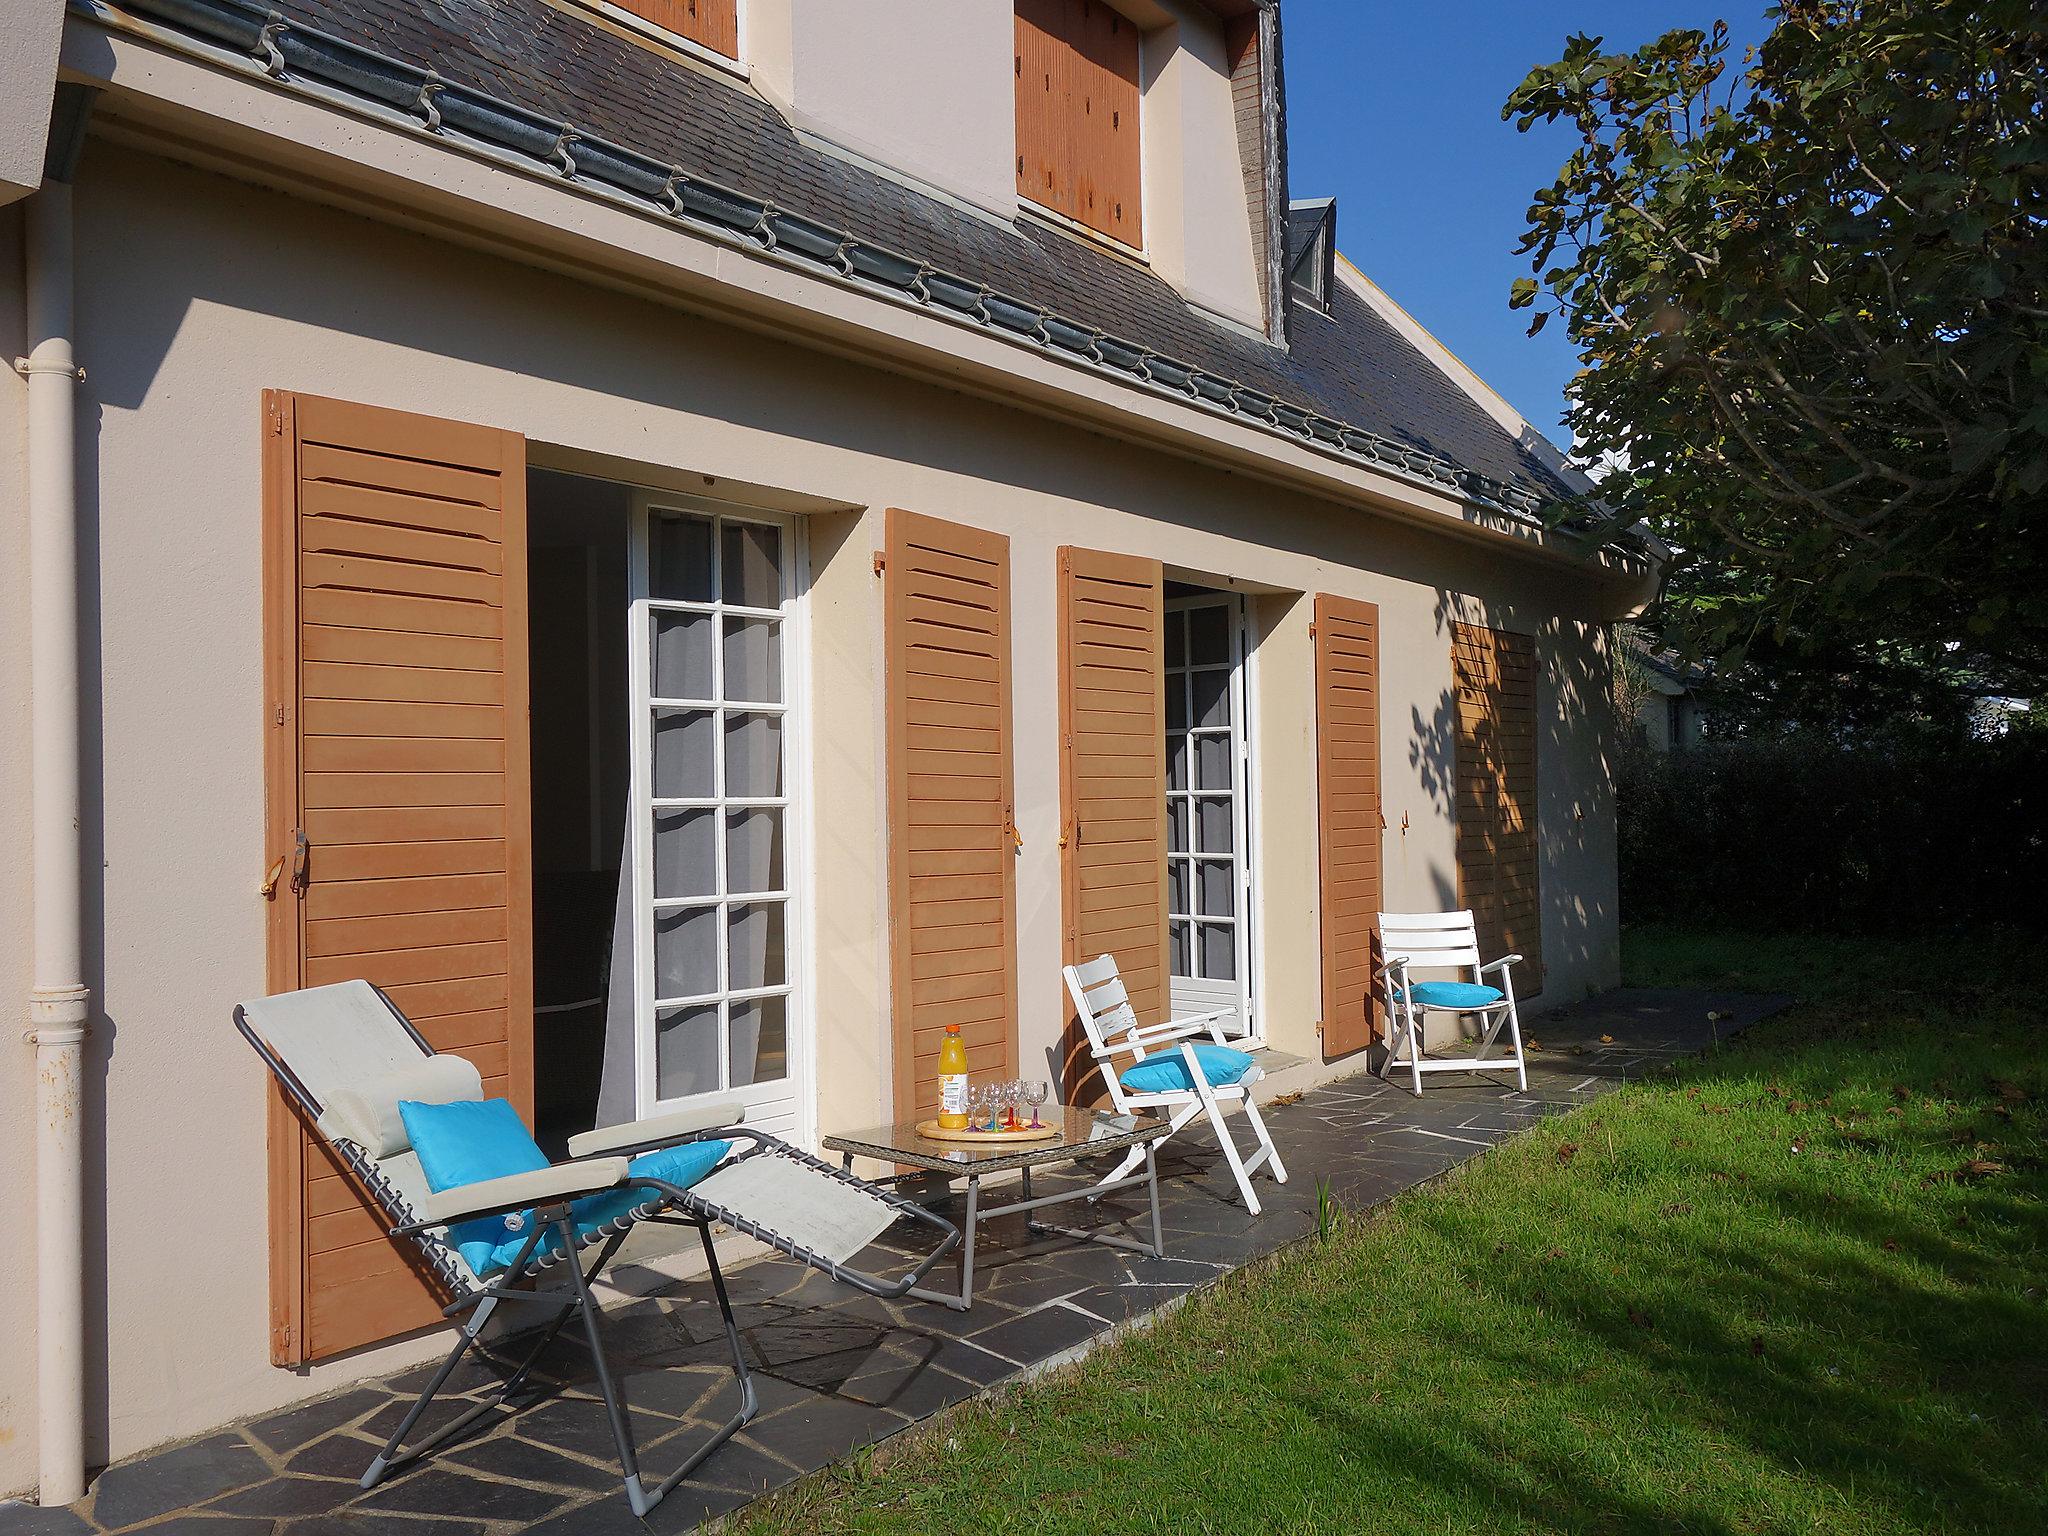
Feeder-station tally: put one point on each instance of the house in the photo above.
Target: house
(698, 543)
(1669, 717)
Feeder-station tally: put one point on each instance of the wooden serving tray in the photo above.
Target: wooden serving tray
(931, 1130)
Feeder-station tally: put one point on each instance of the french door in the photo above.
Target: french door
(1208, 869)
(715, 831)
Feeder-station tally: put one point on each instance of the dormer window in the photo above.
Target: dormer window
(1077, 114)
(713, 24)
(1312, 251)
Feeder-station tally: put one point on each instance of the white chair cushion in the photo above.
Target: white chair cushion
(367, 1112)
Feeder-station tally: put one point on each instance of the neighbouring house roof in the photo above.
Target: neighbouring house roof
(1682, 675)
(523, 76)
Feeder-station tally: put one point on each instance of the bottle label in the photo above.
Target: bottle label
(953, 1093)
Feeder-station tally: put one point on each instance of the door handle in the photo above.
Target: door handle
(268, 889)
(300, 849)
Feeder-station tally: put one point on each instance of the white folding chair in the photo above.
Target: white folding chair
(1444, 941)
(1173, 1073)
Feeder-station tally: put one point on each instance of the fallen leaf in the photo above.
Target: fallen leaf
(1797, 1147)
(1567, 1152)
(1797, 1106)
(1979, 1168)
(2012, 1093)
(1607, 1039)
(1639, 1317)
(1756, 1346)
(1901, 1092)
(1678, 1208)
(1718, 1109)
(1891, 1245)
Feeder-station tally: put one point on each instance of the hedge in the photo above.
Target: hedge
(1821, 836)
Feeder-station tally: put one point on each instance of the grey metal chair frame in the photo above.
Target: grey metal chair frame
(669, 1205)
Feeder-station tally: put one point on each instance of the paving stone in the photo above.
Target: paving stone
(509, 1457)
(439, 1489)
(812, 1434)
(287, 1431)
(288, 1496)
(1037, 1335)
(915, 1391)
(356, 1522)
(343, 1455)
(172, 1480)
(582, 1426)
(204, 1525)
(22, 1519)
(739, 1464)
(380, 1424)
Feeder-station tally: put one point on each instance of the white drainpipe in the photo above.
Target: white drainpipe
(58, 999)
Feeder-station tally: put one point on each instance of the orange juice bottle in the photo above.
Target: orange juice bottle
(953, 1080)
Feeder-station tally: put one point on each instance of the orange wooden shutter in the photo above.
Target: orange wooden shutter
(1112, 785)
(714, 23)
(1495, 676)
(1077, 114)
(1348, 818)
(952, 837)
(396, 674)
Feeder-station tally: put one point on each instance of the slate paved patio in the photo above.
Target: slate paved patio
(836, 1370)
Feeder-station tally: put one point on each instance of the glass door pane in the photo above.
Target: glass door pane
(713, 959)
(1207, 913)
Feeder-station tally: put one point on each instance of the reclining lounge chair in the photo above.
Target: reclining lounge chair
(371, 1085)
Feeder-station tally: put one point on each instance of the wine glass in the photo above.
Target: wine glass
(1013, 1095)
(977, 1104)
(992, 1102)
(1036, 1094)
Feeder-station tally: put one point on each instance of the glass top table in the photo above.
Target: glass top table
(1083, 1133)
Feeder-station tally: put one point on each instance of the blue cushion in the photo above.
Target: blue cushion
(1167, 1071)
(468, 1142)
(1454, 994)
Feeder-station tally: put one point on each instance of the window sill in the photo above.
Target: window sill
(1066, 224)
(652, 32)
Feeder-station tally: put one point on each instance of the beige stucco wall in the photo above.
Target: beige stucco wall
(921, 87)
(196, 293)
(1197, 224)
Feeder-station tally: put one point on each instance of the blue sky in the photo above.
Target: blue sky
(1394, 109)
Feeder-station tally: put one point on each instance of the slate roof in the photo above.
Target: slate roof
(1349, 365)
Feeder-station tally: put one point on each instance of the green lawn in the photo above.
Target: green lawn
(1798, 1286)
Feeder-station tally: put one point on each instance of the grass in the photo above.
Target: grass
(1796, 1286)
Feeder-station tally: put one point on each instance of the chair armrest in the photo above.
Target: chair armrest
(1178, 1029)
(1501, 964)
(655, 1130)
(517, 1191)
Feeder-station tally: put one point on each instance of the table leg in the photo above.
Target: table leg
(1152, 1189)
(1031, 1223)
(967, 1242)
(846, 1162)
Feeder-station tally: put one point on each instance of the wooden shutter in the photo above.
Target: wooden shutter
(1349, 824)
(1495, 676)
(952, 829)
(396, 678)
(1112, 785)
(1077, 114)
(714, 23)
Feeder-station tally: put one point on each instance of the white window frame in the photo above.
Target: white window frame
(1243, 920)
(786, 1106)
(654, 30)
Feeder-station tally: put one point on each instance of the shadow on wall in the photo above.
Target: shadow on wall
(1471, 769)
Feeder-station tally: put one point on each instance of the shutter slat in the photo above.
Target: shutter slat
(1349, 821)
(952, 861)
